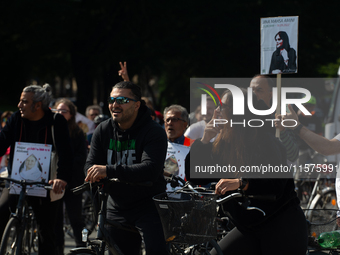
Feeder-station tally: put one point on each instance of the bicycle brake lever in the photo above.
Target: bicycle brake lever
(258, 209)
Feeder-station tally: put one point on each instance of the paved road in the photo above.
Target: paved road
(70, 244)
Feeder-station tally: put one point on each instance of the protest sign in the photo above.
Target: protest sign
(31, 162)
(175, 159)
(279, 45)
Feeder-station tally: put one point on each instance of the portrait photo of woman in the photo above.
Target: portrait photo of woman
(284, 57)
(30, 169)
(171, 165)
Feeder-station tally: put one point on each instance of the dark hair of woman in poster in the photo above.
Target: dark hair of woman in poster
(284, 57)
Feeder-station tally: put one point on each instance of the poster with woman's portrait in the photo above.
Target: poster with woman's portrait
(31, 162)
(279, 45)
(175, 161)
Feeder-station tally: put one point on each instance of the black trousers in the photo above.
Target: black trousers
(147, 222)
(45, 212)
(285, 234)
(73, 206)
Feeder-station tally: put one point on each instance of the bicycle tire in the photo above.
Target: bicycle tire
(35, 236)
(324, 207)
(81, 251)
(175, 249)
(26, 239)
(9, 241)
(204, 249)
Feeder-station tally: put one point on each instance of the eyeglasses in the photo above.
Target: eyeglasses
(60, 110)
(173, 120)
(120, 100)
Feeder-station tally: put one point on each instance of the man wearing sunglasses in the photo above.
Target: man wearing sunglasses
(131, 147)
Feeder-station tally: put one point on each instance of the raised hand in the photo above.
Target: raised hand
(291, 116)
(210, 130)
(278, 123)
(123, 72)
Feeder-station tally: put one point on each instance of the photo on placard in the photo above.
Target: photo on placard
(171, 165)
(31, 162)
(279, 45)
(30, 169)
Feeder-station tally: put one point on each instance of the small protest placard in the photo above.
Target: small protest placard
(279, 45)
(175, 161)
(31, 162)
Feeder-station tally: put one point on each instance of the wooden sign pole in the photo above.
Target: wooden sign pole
(278, 108)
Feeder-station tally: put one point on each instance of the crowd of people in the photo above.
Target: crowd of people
(131, 145)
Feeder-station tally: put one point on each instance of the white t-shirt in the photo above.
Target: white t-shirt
(196, 130)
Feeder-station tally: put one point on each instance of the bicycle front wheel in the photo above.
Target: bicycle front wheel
(205, 248)
(10, 238)
(324, 207)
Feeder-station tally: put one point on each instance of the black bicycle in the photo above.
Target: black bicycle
(191, 218)
(18, 236)
(181, 212)
(103, 239)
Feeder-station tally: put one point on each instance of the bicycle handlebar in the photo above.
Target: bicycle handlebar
(26, 183)
(86, 185)
(176, 181)
(248, 208)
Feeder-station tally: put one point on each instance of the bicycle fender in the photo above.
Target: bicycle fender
(82, 249)
(316, 199)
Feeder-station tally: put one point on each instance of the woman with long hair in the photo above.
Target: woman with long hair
(246, 141)
(284, 57)
(73, 203)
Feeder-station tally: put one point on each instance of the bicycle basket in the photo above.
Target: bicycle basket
(187, 217)
(315, 229)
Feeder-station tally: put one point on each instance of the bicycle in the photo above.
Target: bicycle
(89, 215)
(322, 203)
(184, 212)
(312, 176)
(18, 234)
(194, 200)
(103, 241)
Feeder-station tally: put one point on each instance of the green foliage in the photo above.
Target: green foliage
(331, 69)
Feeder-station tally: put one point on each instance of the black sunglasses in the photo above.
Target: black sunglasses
(120, 100)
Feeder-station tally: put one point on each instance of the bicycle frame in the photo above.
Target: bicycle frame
(23, 218)
(98, 245)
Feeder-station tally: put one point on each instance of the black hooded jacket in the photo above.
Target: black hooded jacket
(134, 155)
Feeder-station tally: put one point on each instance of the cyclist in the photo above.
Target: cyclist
(33, 124)
(241, 146)
(131, 147)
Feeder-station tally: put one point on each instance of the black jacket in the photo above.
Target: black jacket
(79, 147)
(17, 127)
(269, 151)
(133, 155)
(277, 62)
